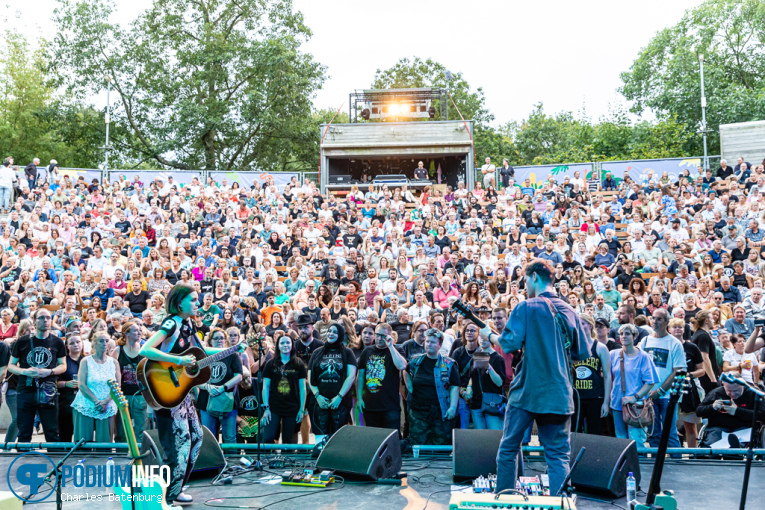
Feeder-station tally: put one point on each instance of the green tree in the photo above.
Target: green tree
(665, 76)
(35, 120)
(202, 84)
(418, 73)
(543, 139)
(24, 94)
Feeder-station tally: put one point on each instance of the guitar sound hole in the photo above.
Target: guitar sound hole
(192, 371)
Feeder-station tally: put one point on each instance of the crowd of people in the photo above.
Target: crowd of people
(345, 300)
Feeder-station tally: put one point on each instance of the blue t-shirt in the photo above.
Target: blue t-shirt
(104, 296)
(638, 370)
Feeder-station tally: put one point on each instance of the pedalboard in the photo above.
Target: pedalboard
(308, 478)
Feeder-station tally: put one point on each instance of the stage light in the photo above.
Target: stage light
(394, 109)
(365, 114)
(431, 112)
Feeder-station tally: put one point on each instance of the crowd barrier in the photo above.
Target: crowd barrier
(434, 449)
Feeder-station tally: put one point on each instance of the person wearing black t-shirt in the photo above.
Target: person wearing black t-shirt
(128, 355)
(179, 429)
(352, 239)
(38, 361)
(67, 388)
(5, 357)
(314, 312)
(138, 301)
(592, 384)
(284, 392)
(247, 404)
(308, 341)
(463, 355)
(380, 366)
(433, 382)
(216, 396)
(487, 380)
(702, 324)
(416, 344)
(331, 373)
(728, 408)
(695, 366)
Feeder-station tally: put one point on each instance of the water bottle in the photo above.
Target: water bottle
(109, 477)
(631, 488)
(80, 468)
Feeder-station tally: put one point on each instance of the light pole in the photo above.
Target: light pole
(107, 119)
(704, 129)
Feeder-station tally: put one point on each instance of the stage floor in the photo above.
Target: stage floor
(697, 485)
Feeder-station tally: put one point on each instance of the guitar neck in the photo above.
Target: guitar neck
(127, 426)
(472, 317)
(654, 487)
(217, 356)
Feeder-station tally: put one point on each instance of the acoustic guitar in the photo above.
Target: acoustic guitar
(152, 490)
(166, 384)
(460, 308)
(657, 498)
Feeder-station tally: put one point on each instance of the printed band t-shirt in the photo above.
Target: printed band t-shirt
(667, 354)
(40, 353)
(284, 392)
(221, 372)
(380, 390)
(329, 370)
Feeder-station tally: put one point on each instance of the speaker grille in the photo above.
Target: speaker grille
(362, 452)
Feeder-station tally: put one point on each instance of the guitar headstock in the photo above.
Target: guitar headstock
(117, 395)
(460, 308)
(254, 338)
(680, 384)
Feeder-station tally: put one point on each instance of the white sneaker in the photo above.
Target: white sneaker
(184, 498)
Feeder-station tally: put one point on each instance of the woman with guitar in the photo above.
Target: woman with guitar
(179, 429)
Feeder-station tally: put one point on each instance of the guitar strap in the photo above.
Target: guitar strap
(562, 328)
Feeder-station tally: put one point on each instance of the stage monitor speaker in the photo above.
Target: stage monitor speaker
(474, 453)
(606, 463)
(362, 453)
(209, 463)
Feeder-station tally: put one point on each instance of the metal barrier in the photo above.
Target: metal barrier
(422, 448)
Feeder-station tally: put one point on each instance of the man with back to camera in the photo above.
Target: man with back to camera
(542, 391)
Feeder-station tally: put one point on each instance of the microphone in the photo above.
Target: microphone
(732, 379)
(729, 378)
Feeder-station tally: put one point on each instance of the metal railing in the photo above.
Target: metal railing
(434, 449)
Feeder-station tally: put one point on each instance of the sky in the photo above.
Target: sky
(567, 55)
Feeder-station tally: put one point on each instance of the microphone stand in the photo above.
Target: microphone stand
(730, 379)
(56, 471)
(258, 466)
(749, 453)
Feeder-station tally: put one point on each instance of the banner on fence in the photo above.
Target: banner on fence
(182, 178)
(644, 170)
(247, 179)
(75, 174)
(538, 175)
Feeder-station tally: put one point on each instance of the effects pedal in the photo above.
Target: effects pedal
(307, 478)
(277, 462)
(483, 485)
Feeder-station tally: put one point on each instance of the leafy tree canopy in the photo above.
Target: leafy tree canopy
(665, 76)
(203, 84)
